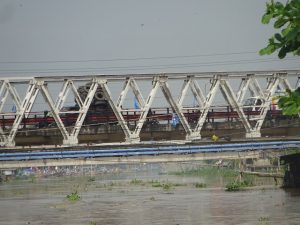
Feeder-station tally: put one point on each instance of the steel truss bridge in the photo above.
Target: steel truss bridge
(233, 87)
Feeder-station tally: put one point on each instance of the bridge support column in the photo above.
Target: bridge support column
(194, 136)
(253, 134)
(8, 143)
(132, 140)
(72, 140)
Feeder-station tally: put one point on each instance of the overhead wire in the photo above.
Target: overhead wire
(144, 67)
(129, 59)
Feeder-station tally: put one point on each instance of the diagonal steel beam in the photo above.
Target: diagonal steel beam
(83, 111)
(123, 93)
(14, 94)
(146, 107)
(184, 89)
(3, 94)
(76, 94)
(230, 96)
(117, 110)
(255, 87)
(55, 112)
(215, 83)
(243, 89)
(271, 88)
(137, 92)
(62, 95)
(176, 108)
(198, 94)
(25, 107)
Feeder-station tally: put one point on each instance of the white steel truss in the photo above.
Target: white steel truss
(218, 81)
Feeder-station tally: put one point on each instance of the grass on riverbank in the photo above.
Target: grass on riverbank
(207, 171)
(238, 185)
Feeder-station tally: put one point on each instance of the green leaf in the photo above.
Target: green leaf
(280, 22)
(278, 37)
(267, 50)
(286, 30)
(266, 18)
(292, 34)
(282, 53)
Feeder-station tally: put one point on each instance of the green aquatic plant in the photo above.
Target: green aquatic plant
(74, 196)
(136, 181)
(207, 171)
(200, 185)
(152, 198)
(91, 179)
(237, 186)
(32, 178)
(167, 187)
(155, 183)
(263, 220)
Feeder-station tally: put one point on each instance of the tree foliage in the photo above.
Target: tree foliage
(290, 104)
(287, 18)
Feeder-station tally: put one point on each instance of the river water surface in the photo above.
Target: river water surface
(129, 197)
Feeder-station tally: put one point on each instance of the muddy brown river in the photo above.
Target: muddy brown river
(135, 195)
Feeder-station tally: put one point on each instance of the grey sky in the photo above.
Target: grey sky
(48, 32)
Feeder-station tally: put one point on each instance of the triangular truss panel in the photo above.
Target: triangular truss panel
(76, 103)
(130, 118)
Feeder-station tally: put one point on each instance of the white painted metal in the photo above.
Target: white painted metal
(175, 106)
(215, 82)
(117, 108)
(198, 94)
(272, 85)
(55, 111)
(82, 113)
(145, 106)
(219, 81)
(233, 102)
(25, 108)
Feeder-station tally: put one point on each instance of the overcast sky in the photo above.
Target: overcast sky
(61, 37)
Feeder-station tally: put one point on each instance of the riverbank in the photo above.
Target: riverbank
(144, 194)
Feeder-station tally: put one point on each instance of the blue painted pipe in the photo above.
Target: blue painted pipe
(182, 149)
